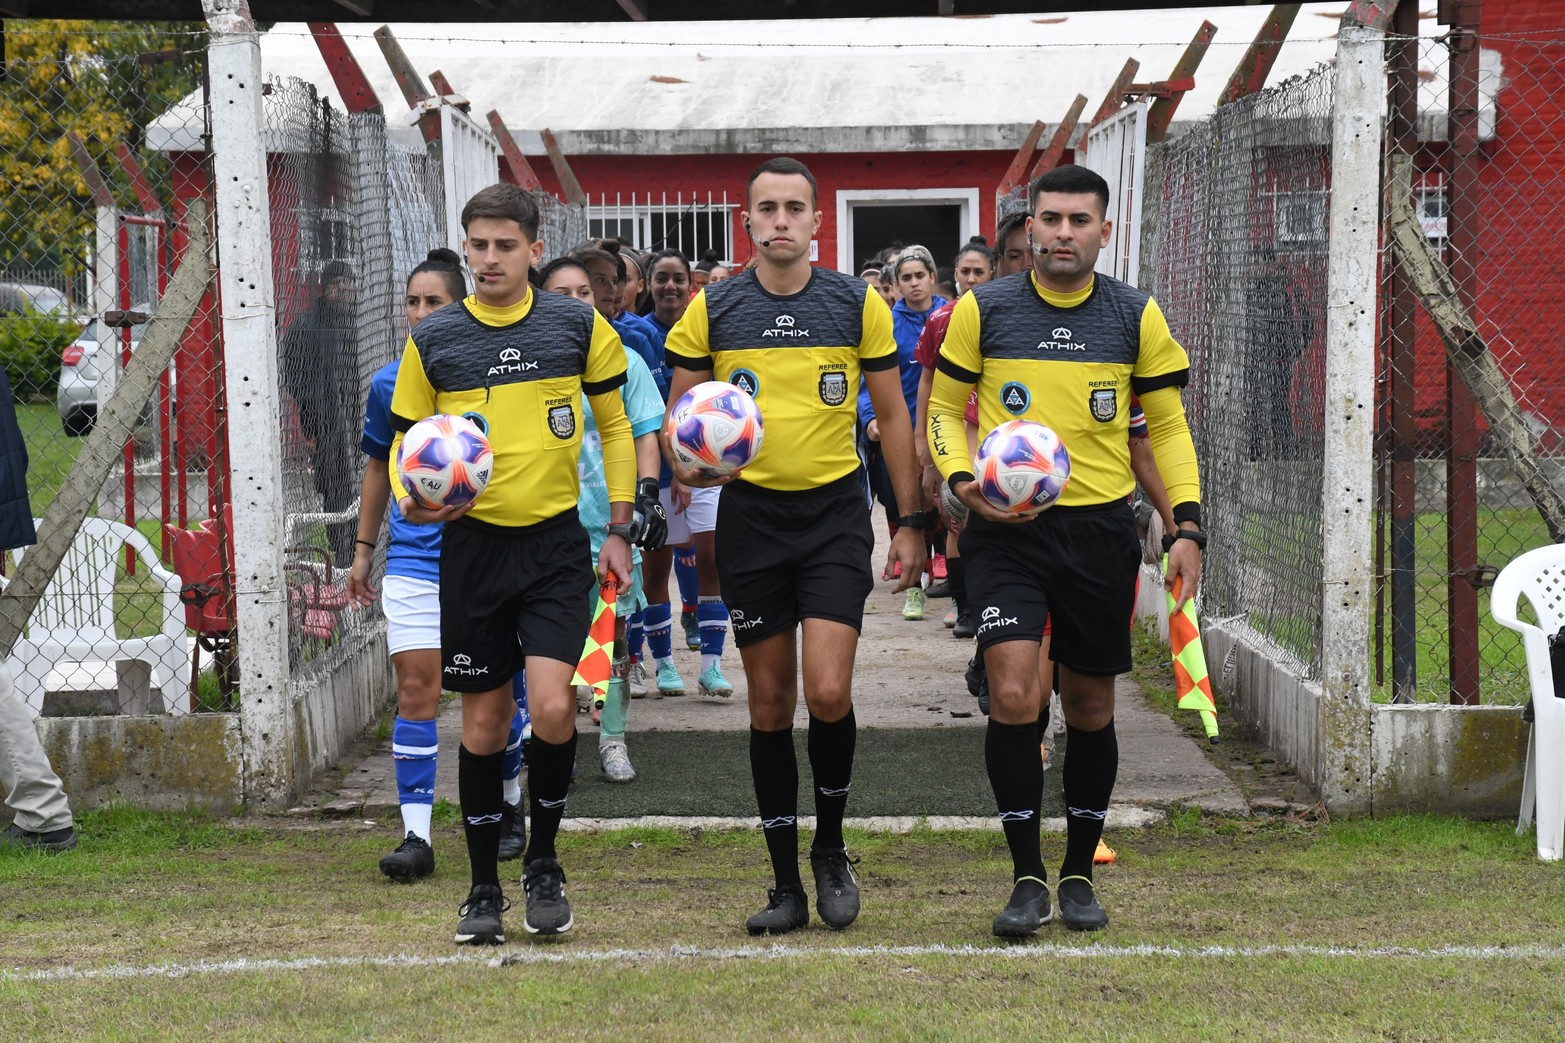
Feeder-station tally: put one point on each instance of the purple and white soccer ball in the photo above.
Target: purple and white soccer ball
(715, 429)
(1022, 467)
(445, 461)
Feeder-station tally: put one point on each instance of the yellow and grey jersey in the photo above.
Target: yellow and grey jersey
(522, 368)
(800, 357)
(1071, 362)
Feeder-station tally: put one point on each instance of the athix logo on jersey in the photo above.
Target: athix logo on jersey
(745, 381)
(462, 665)
(737, 617)
(1061, 340)
(1015, 398)
(785, 326)
(992, 619)
(511, 362)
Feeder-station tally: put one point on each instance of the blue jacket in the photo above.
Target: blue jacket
(16, 516)
(906, 325)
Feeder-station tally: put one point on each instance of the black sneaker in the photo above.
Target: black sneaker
(964, 626)
(548, 912)
(44, 840)
(1079, 908)
(481, 916)
(513, 832)
(412, 859)
(786, 910)
(940, 588)
(836, 887)
(978, 682)
(1027, 910)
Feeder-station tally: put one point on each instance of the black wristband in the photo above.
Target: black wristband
(913, 521)
(1195, 536)
(1189, 511)
(647, 487)
(368, 543)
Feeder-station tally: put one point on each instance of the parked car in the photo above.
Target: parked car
(20, 298)
(77, 396)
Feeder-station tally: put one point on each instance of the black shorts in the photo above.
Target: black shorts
(1076, 566)
(508, 593)
(787, 556)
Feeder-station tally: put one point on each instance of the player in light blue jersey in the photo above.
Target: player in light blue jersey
(411, 600)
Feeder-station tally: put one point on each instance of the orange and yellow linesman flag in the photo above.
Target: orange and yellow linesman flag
(1192, 686)
(597, 658)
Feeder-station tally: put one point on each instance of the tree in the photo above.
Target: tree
(105, 82)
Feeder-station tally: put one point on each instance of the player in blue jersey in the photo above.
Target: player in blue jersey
(411, 601)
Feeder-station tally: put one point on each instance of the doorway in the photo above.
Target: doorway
(870, 221)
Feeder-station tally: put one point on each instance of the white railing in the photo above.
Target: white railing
(693, 224)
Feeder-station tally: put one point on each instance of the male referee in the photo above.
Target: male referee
(1064, 347)
(515, 578)
(793, 530)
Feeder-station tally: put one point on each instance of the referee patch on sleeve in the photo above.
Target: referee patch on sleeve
(1177, 379)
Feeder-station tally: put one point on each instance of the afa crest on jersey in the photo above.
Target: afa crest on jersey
(1015, 398)
(1105, 404)
(834, 388)
(745, 381)
(562, 421)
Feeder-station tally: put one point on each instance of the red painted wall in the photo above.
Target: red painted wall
(698, 175)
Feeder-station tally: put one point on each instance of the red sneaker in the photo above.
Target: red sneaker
(937, 568)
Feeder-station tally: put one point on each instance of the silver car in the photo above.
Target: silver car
(77, 396)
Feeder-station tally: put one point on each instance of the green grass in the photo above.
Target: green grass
(50, 453)
(172, 889)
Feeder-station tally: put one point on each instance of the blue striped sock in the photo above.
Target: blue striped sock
(660, 630)
(515, 743)
(414, 745)
(685, 573)
(635, 634)
(712, 614)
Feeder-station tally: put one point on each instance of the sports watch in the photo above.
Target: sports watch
(627, 531)
(1195, 536)
(913, 521)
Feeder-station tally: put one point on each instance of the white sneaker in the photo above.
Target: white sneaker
(637, 676)
(615, 759)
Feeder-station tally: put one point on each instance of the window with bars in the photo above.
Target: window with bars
(693, 225)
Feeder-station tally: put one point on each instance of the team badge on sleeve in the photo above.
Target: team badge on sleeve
(1105, 404)
(745, 381)
(562, 421)
(1015, 398)
(834, 388)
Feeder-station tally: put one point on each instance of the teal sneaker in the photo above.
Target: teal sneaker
(713, 683)
(669, 681)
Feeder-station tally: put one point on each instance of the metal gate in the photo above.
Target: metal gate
(469, 161)
(1116, 149)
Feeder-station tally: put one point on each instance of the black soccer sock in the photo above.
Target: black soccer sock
(775, 768)
(831, 762)
(478, 787)
(1016, 774)
(548, 779)
(956, 575)
(1091, 764)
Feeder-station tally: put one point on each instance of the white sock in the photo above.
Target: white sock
(708, 662)
(415, 820)
(511, 790)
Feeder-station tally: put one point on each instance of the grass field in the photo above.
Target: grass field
(159, 926)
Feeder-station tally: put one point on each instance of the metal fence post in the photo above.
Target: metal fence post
(239, 170)
(1346, 722)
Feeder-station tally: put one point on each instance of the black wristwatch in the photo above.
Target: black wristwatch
(1195, 536)
(913, 521)
(626, 531)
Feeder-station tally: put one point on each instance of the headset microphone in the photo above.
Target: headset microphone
(762, 243)
(1040, 251)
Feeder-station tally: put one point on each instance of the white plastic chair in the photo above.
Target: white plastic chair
(74, 620)
(1540, 576)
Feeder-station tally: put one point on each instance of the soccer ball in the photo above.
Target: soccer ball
(1022, 467)
(445, 461)
(715, 428)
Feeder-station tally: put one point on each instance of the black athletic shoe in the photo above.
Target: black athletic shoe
(1079, 908)
(513, 832)
(480, 923)
(940, 588)
(963, 630)
(412, 859)
(786, 910)
(1027, 910)
(548, 912)
(836, 887)
(53, 840)
(978, 682)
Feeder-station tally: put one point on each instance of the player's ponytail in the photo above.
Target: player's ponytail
(447, 265)
(976, 245)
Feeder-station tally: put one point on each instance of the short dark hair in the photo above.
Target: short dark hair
(1073, 180)
(663, 255)
(1008, 228)
(446, 264)
(505, 203)
(568, 261)
(783, 165)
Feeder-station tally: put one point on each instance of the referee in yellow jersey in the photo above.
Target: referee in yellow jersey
(1065, 347)
(793, 529)
(515, 575)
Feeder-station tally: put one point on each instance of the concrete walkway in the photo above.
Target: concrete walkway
(909, 674)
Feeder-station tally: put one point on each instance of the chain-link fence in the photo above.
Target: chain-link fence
(92, 230)
(1471, 438)
(1239, 267)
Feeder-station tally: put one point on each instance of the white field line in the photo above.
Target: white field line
(1121, 816)
(786, 952)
